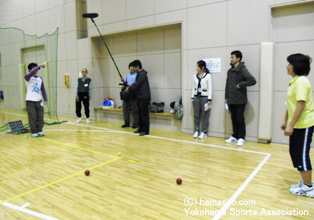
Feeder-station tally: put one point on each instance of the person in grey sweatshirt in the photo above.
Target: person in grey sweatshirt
(238, 78)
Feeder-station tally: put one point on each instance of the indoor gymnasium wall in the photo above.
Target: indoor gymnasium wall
(159, 50)
(292, 32)
(209, 29)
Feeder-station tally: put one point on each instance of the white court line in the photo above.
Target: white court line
(151, 136)
(123, 131)
(25, 205)
(176, 140)
(27, 211)
(223, 210)
(209, 145)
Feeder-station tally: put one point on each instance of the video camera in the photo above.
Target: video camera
(125, 96)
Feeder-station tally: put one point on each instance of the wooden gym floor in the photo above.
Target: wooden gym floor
(44, 177)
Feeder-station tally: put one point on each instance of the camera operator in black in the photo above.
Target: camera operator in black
(142, 91)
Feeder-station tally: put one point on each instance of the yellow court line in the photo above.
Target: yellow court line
(60, 180)
(77, 147)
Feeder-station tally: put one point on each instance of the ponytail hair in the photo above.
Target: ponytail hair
(201, 64)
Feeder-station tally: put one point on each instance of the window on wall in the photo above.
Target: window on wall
(33, 54)
(293, 22)
(81, 23)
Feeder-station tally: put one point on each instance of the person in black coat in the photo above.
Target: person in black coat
(238, 79)
(142, 90)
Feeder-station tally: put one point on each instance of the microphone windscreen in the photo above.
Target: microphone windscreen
(90, 15)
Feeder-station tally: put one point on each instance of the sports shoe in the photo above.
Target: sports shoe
(231, 140)
(34, 135)
(87, 121)
(240, 142)
(303, 190)
(41, 133)
(299, 184)
(195, 134)
(79, 120)
(125, 126)
(202, 136)
(310, 193)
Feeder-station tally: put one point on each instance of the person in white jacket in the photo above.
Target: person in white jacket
(201, 95)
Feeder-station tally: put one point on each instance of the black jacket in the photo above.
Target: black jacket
(239, 75)
(141, 86)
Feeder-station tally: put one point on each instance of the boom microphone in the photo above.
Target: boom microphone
(90, 15)
(95, 15)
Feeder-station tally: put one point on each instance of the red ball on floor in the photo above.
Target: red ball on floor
(87, 172)
(179, 181)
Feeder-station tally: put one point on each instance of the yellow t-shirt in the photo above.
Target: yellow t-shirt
(300, 90)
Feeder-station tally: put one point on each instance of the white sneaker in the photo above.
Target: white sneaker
(231, 140)
(34, 135)
(202, 136)
(240, 142)
(310, 193)
(41, 133)
(87, 121)
(195, 134)
(303, 190)
(79, 120)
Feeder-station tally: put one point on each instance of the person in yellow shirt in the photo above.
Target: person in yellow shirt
(299, 122)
